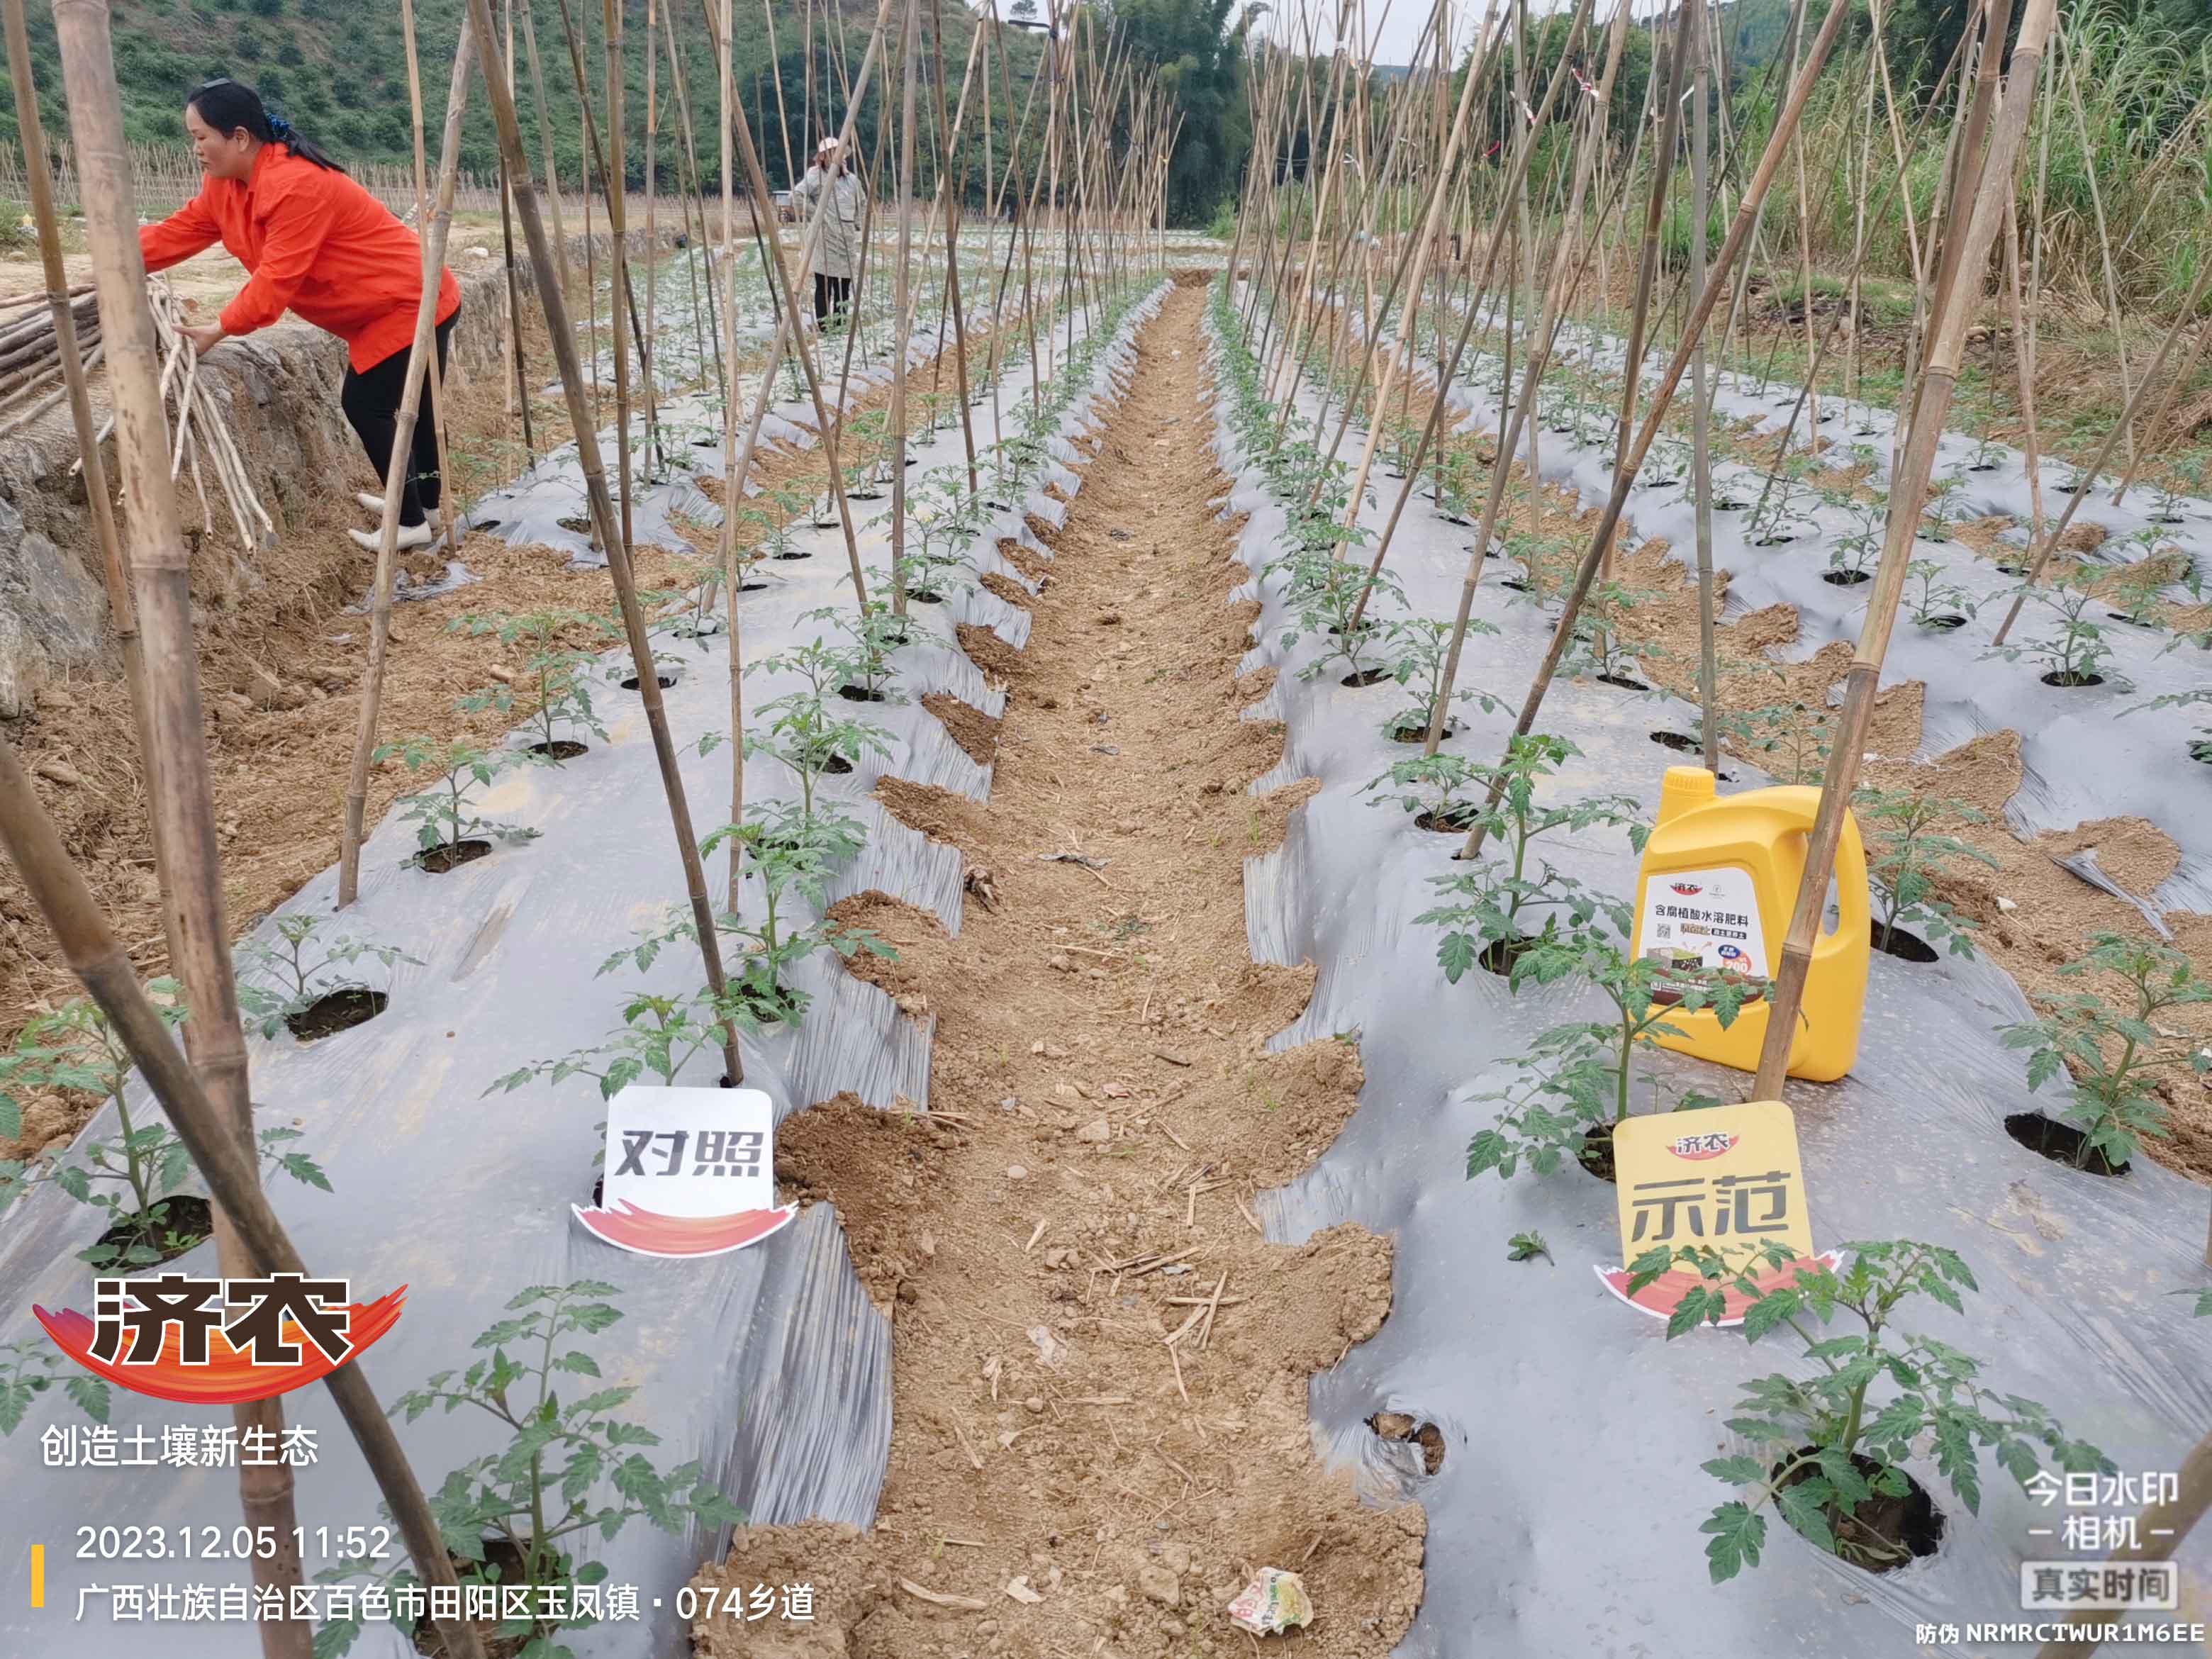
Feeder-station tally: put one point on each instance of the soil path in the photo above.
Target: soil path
(1099, 1421)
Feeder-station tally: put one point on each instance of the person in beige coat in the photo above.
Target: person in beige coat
(837, 250)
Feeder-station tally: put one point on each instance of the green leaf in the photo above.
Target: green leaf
(1804, 1505)
(1735, 1534)
(1737, 1471)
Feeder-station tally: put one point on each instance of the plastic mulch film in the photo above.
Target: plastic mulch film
(768, 1364)
(1565, 1518)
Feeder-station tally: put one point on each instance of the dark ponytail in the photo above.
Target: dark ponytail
(226, 105)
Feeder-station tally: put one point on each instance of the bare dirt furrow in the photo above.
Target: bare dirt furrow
(1099, 1421)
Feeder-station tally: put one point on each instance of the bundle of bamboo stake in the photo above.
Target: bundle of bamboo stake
(195, 427)
(31, 380)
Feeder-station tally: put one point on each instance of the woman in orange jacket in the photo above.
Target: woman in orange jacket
(316, 243)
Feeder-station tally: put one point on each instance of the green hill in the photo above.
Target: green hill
(338, 70)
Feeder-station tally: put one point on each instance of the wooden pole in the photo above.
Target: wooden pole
(1701, 402)
(421, 353)
(902, 292)
(1990, 176)
(190, 871)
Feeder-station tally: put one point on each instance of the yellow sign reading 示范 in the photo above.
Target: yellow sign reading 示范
(1724, 1178)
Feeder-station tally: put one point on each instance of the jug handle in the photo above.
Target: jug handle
(1853, 914)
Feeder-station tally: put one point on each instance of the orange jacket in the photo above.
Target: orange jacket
(316, 243)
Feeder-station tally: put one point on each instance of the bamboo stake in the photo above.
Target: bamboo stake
(1662, 395)
(545, 147)
(602, 516)
(901, 294)
(421, 353)
(1701, 395)
(182, 795)
(449, 519)
(1990, 177)
(103, 967)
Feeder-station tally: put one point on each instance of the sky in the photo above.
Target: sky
(1396, 25)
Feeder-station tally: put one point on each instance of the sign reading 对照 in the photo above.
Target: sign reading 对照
(689, 1172)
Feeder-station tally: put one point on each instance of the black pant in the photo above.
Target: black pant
(830, 293)
(371, 399)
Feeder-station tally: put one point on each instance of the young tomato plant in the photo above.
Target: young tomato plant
(872, 634)
(1486, 920)
(1419, 650)
(134, 1179)
(1937, 604)
(1907, 856)
(791, 855)
(552, 693)
(1325, 590)
(278, 982)
(2076, 653)
(570, 1470)
(1828, 1446)
(1433, 788)
(28, 1369)
(1572, 1086)
(2117, 1057)
(454, 771)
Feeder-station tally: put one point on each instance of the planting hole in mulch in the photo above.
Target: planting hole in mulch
(1500, 954)
(859, 694)
(2062, 1143)
(801, 552)
(1415, 728)
(561, 749)
(1515, 584)
(172, 1227)
(751, 587)
(1883, 1532)
(1726, 505)
(1596, 1156)
(1397, 1425)
(2067, 679)
(484, 524)
(503, 1563)
(1850, 579)
(924, 596)
(451, 855)
(340, 1011)
(2008, 570)
(582, 527)
(1366, 676)
(1773, 541)
(1680, 742)
(662, 676)
(836, 766)
(1337, 629)
(1623, 682)
(1896, 942)
(1452, 821)
(1945, 622)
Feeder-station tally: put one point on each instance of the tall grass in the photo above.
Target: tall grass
(2145, 110)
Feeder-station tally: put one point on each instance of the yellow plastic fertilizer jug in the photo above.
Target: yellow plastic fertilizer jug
(1719, 879)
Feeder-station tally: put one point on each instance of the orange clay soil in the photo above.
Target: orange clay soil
(1099, 1364)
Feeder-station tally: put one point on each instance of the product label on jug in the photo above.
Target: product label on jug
(1713, 913)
